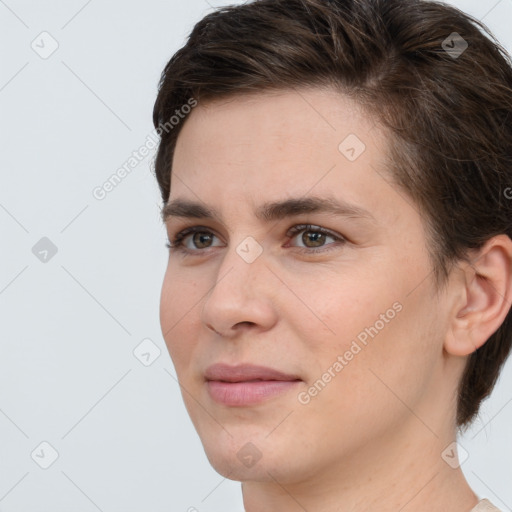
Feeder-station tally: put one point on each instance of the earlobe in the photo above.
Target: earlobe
(486, 297)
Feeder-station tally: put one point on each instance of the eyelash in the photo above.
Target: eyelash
(177, 242)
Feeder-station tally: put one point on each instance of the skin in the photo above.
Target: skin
(373, 438)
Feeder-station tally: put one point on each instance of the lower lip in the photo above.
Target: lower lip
(247, 393)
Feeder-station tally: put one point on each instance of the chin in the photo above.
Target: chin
(251, 456)
(229, 467)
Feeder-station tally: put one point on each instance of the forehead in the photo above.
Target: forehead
(251, 149)
(319, 117)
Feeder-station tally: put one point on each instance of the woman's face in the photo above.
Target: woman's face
(349, 316)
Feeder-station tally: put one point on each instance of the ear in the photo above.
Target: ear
(484, 299)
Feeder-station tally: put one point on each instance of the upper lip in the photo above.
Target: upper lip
(245, 372)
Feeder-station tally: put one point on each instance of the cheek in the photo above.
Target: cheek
(332, 307)
(385, 364)
(179, 303)
(369, 318)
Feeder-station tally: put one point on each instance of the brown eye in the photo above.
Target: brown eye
(314, 238)
(201, 239)
(197, 240)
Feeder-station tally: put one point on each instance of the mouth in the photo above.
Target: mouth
(245, 384)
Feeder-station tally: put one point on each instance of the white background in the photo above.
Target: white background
(68, 327)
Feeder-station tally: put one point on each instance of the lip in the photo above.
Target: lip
(245, 372)
(246, 384)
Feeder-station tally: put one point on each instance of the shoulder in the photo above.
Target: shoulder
(485, 506)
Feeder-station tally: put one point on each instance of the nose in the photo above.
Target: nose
(241, 296)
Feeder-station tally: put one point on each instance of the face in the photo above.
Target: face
(341, 303)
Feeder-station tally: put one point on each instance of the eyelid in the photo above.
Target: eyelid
(178, 245)
(183, 233)
(294, 230)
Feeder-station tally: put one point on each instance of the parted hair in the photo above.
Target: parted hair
(435, 77)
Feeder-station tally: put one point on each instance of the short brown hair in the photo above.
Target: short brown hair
(449, 114)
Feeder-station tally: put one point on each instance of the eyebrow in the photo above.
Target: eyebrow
(271, 211)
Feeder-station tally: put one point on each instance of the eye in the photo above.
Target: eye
(200, 237)
(314, 237)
